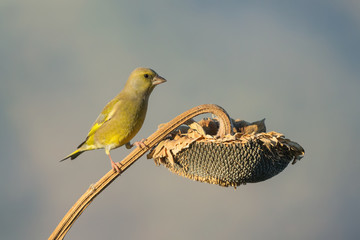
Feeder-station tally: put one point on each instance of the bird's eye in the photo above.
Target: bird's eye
(146, 75)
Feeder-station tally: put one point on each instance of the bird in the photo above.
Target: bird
(122, 118)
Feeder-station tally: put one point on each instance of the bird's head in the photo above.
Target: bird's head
(144, 80)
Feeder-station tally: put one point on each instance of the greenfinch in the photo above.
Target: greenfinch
(122, 118)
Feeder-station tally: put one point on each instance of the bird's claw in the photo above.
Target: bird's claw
(115, 167)
(139, 144)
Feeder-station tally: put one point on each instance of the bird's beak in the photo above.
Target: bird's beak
(158, 80)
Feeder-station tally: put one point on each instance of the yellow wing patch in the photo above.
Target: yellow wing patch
(94, 128)
(104, 116)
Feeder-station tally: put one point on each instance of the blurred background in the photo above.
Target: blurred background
(296, 63)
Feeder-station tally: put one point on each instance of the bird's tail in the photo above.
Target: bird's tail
(80, 149)
(73, 155)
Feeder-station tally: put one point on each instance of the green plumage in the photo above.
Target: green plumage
(123, 116)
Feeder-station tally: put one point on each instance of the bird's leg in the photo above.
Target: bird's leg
(114, 166)
(140, 144)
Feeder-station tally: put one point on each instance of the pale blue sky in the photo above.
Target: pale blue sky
(296, 63)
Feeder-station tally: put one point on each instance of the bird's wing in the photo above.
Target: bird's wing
(106, 114)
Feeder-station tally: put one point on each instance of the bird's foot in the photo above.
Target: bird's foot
(115, 167)
(139, 144)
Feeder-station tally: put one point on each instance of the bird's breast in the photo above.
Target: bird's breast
(124, 125)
